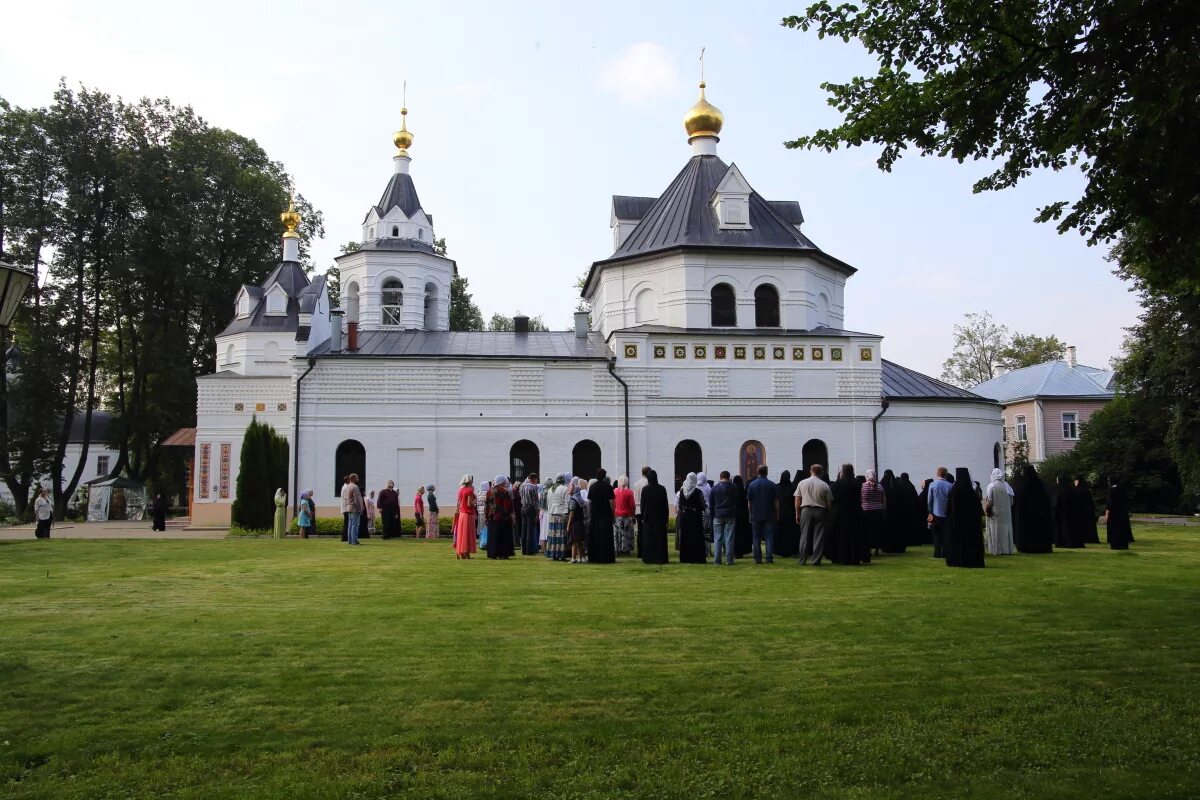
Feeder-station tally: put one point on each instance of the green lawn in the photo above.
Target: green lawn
(306, 669)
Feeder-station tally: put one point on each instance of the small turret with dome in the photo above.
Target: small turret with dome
(403, 138)
(703, 119)
(291, 239)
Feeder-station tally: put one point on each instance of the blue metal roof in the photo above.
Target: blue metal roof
(1049, 379)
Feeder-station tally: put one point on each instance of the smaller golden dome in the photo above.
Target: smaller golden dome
(291, 220)
(703, 119)
(402, 137)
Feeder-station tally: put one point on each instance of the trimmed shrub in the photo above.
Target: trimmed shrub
(263, 469)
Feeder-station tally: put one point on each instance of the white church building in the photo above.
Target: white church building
(716, 341)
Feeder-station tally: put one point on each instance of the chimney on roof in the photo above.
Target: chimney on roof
(998, 370)
(1071, 356)
(581, 324)
(335, 330)
(521, 323)
(352, 335)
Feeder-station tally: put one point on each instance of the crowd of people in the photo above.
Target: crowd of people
(847, 521)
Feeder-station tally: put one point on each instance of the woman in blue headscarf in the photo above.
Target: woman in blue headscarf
(500, 518)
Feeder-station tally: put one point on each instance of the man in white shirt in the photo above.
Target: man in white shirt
(43, 512)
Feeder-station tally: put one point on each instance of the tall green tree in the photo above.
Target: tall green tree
(978, 343)
(1028, 349)
(263, 468)
(464, 314)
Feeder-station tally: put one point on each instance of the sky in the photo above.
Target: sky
(528, 117)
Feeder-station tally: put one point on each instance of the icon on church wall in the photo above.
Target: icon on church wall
(797, 354)
(739, 352)
(660, 351)
(680, 351)
(865, 353)
(760, 354)
(835, 354)
(753, 455)
(631, 351)
(720, 351)
(281, 407)
(818, 354)
(239, 406)
(260, 406)
(700, 352)
(777, 353)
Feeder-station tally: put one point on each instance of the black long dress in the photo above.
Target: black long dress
(787, 533)
(159, 511)
(601, 547)
(922, 534)
(847, 542)
(1034, 522)
(1066, 530)
(896, 518)
(1120, 533)
(1085, 508)
(964, 525)
(742, 532)
(656, 511)
(499, 510)
(690, 524)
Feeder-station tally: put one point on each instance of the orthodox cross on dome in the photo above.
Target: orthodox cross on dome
(402, 138)
(703, 121)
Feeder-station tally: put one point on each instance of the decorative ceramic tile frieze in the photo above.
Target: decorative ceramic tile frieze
(205, 470)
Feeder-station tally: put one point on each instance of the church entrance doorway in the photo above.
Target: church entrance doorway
(523, 460)
(752, 456)
(350, 457)
(815, 452)
(688, 458)
(585, 459)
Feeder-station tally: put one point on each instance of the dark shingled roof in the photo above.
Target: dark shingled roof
(789, 210)
(902, 383)
(542, 345)
(294, 282)
(400, 191)
(628, 207)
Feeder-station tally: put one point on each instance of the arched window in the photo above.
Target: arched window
(228, 356)
(391, 304)
(395, 231)
(352, 302)
(996, 455)
(644, 309)
(523, 460)
(815, 452)
(372, 232)
(688, 458)
(350, 457)
(724, 306)
(431, 300)
(421, 234)
(823, 310)
(585, 459)
(270, 352)
(752, 456)
(766, 306)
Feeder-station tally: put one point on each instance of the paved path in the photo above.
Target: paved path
(115, 529)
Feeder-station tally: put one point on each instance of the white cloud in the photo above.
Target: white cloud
(641, 74)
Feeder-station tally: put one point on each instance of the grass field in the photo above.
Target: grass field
(263, 669)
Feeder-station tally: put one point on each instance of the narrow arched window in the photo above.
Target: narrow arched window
(392, 302)
(724, 306)
(766, 307)
(395, 230)
(431, 302)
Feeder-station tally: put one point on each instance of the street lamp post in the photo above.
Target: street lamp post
(14, 281)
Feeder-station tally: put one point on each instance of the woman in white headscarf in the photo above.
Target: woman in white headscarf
(690, 522)
(279, 528)
(997, 507)
(706, 490)
(465, 514)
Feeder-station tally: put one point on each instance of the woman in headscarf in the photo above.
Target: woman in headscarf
(279, 529)
(1062, 512)
(465, 513)
(623, 506)
(964, 545)
(690, 522)
(742, 538)
(1085, 512)
(896, 514)
(481, 512)
(577, 529)
(389, 510)
(706, 490)
(544, 514)
(997, 507)
(874, 513)
(848, 545)
(787, 533)
(1034, 529)
(923, 533)
(308, 515)
(369, 512)
(600, 549)
(500, 516)
(656, 511)
(558, 509)
(1116, 518)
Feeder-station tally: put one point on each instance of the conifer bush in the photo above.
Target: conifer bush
(264, 468)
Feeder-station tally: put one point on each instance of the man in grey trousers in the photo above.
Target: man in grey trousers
(814, 502)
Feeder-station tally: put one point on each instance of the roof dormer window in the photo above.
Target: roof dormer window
(731, 201)
(243, 304)
(276, 302)
(395, 231)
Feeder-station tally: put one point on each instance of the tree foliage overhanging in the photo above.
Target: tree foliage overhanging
(1106, 87)
(143, 220)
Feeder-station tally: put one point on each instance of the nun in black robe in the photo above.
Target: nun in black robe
(601, 545)
(1116, 518)
(1034, 529)
(912, 520)
(656, 511)
(847, 543)
(896, 515)
(1085, 509)
(690, 523)
(787, 532)
(1063, 509)
(923, 534)
(964, 525)
(742, 533)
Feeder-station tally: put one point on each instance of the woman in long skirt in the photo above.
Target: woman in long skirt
(1085, 511)
(742, 532)
(1116, 518)
(997, 507)
(656, 511)
(500, 517)
(577, 525)
(964, 539)
(558, 509)
(846, 543)
(690, 523)
(465, 513)
(787, 532)
(543, 515)
(874, 513)
(279, 529)
(623, 524)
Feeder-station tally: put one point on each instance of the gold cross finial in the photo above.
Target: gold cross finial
(701, 66)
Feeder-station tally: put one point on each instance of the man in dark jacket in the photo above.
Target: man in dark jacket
(723, 511)
(763, 499)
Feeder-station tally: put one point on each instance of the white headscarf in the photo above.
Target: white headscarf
(998, 478)
(702, 485)
(689, 485)
(467, 479)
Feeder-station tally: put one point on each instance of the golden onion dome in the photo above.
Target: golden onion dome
(291, 220)
(703, 119)
(402, 137)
